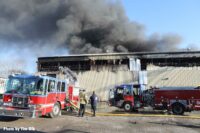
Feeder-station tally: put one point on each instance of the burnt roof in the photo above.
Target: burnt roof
(142, 55)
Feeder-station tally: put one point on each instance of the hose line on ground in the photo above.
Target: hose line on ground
(142, 115)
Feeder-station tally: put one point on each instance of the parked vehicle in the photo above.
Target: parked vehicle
(33, 96)
(175, 99)
(2, 86)
(126, 96)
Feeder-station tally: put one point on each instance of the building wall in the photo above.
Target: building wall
(103, 80)
(100, 72)
(173, 76)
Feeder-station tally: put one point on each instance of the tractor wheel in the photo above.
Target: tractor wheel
(55, 111)
(128, 107)
(178, 109)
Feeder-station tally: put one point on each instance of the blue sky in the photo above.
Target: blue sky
(181, 17)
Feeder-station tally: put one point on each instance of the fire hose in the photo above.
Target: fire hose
(141, 115)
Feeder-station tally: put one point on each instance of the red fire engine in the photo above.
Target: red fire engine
(32, 96)
(175, 99)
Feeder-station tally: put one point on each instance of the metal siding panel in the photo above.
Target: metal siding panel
(103, 80)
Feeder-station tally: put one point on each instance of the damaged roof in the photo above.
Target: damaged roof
(107, 56)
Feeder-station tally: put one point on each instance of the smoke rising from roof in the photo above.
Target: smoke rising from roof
(31, 28)
(81, 26)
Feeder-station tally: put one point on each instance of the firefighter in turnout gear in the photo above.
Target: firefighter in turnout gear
(83, 102)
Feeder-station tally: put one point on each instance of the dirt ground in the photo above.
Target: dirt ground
(70, 123)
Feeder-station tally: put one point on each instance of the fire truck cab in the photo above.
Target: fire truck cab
(32, 96)
(127, 96)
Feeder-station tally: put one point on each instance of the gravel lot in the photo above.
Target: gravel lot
(70, 123)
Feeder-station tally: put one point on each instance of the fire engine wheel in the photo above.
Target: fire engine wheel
(127, 107)
(178, 109)
(55, 111)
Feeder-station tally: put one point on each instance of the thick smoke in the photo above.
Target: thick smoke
(80, 26)
(32, 28)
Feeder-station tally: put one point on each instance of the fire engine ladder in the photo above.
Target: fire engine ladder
(68, 74)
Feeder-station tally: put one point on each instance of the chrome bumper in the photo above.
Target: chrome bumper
(4, 111)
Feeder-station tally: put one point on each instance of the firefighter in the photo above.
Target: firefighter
(93, 102)
(83, 102)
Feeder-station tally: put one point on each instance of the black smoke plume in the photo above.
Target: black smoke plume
(44, 27)
(82, 26)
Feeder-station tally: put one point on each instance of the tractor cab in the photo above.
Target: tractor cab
(126, 96)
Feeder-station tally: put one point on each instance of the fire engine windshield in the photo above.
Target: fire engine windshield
(20, 85)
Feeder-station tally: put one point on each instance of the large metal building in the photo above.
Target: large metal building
(101, 72)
